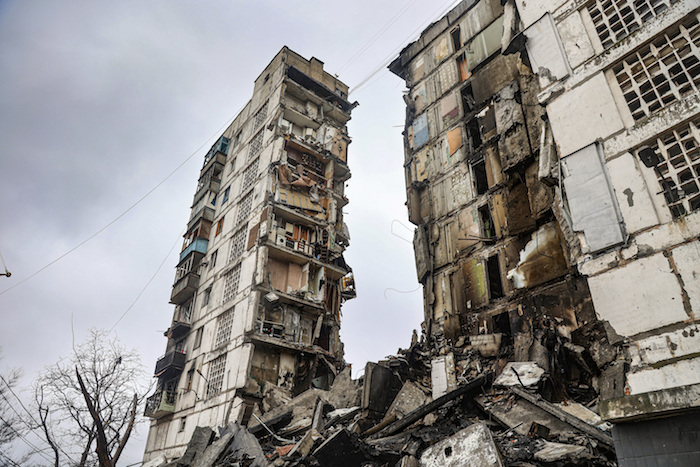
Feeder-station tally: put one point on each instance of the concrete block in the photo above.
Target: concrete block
(528, 374)
(682, 373)
(630, 297)
(576, 43)
(558, 452)
(632, 194)
(592, 266)
(486, 344)
(471, 447)
(687, 259)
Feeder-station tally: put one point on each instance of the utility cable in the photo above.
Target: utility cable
(438, 13)
(374, 38)
(26, 441)
(228, 122)
(177, 240)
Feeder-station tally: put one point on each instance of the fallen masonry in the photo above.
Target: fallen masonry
(490, 412)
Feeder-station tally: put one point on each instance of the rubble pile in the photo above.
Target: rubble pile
(469, 405)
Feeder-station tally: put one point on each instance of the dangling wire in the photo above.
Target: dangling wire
(6, 273)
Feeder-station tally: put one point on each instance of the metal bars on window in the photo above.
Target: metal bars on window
(678, 168)
(215, 380)
(232, 278)
(617, 19)
(663, 71)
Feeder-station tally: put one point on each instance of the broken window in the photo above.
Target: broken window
(480, 177)
(232, 278)
(256, 144)
(616, 19)
(473, 134)
(456, 39)
(212, 259)
(182, 423)
(245, 206)
(467, 98)
(219, 226)
(238, 243)
(190, 378)
(250, 174)
(675, 157)
(493, 269)
(663, 71)
(205, 297)
(224, 327)
(215, 379)
(462, 68)
(185, 312)
(487, 227)
(225, 198)
(260, 116)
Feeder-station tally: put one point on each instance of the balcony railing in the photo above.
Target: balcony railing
(198, 244)
(185, 287)
(205, 213)
(171, 364)
(160, 404)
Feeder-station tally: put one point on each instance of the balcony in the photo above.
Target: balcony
(179, 329)
(170, 365)
(219, 158)
(199, 245)
(213, 185)
(205, 213)
(184, 288)
(160, 404)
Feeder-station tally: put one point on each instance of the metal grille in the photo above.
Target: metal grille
(215, 380)
(260, 116)
(251, 172)
(617, 19)
(663, 71)
(238, 243)
(233, 277)
(245, 206)
(678, 169)
(225, 325)
(256, 144)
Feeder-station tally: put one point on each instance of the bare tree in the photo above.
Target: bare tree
(87, 402)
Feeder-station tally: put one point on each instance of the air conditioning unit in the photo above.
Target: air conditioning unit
(309, 133)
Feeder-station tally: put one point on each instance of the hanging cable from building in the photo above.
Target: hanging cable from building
(6, 273)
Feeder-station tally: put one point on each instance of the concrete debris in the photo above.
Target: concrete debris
(488, 416)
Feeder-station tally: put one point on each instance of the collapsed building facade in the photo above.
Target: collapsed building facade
(552, 170)
(261, 276)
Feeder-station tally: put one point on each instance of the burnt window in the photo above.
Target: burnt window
(481, 182)
(487, 230)
(456, 39)
(473, 134)
(468, 98)
(494, 275)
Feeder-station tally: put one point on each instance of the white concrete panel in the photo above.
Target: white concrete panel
(576, 43)
(667, 346)
(683, 373)
(596, 115)
(633, 197)
(673, 233)
(592, 205)
(546, 51)
(638, 297)
(687, 258)
(530, 11)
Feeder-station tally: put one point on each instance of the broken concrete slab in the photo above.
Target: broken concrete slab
(486, 344)
(201, 438)
(520, 374)
(472, 446)
(380, 387)
(443, 375)
(409, 398)
(342, 449)
(518, 415)
(302, 406)
(585, 414)
(215, 450)
(157, 462)
(344, 392)
(556, 452)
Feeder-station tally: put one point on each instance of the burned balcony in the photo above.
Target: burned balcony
(271, 329)
(160, 404)
(170, 365)
(182, 321)
(185, 288)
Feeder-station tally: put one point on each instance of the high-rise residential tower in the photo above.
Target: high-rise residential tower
(261, 275)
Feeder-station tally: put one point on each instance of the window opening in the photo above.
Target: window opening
(199, 333)
(232, 278)
(256, 145)
(468, 98)
(663, 71)
(205, 297)
(182, 423)
(462, 67)
(616, 19)
(238, 243)
(212, 259)
(487, 231)
(480, 179)
(216, 376)
(456, 39)
(190, 378)
(245, 206)
(219, 226)
(473, 134)
(494, 273)
(226, 192)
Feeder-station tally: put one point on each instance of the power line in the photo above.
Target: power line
(374, 38)
(149, 282)
(382, 66)
(124, 212)
(9, 459)
(27, 442)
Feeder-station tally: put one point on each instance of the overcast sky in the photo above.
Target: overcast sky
(100, 101)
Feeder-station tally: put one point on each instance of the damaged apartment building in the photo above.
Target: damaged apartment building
(552, 170)
(261, 276)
